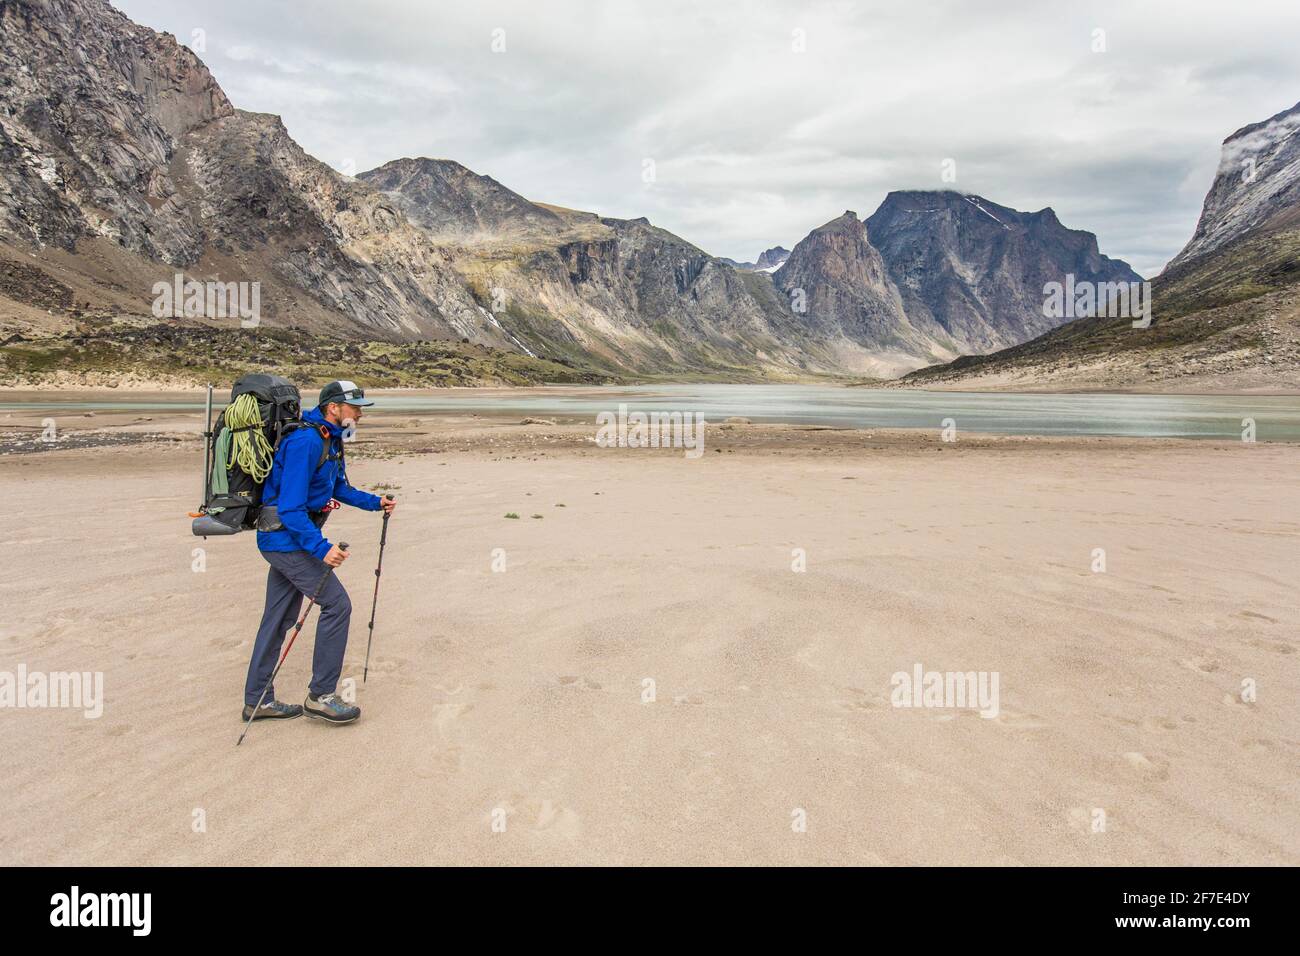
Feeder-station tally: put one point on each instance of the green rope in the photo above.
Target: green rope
(249, 448)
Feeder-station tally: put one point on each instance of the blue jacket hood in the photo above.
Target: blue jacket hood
(315, 417)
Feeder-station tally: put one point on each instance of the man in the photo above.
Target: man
(307, 480)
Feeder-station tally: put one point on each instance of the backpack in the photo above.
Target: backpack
(240, 450)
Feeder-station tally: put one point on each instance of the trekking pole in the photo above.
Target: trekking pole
(383, 539)
(343, 546)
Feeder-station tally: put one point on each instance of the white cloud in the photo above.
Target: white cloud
(755, 144)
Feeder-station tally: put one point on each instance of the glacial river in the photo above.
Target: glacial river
(1276, 418)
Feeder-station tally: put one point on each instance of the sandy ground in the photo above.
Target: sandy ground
(521, 695)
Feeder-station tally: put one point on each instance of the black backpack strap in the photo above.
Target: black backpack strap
(325, 440)
(324, 434)
(324, 448)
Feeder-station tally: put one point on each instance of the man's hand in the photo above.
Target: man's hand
(336, 556)
(388, 503)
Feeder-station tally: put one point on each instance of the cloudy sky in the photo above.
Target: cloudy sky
(761, 120)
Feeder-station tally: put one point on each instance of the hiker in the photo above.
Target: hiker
(307, 480)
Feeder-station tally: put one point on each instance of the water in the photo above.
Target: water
(1277, 418)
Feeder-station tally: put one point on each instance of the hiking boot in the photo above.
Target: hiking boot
(331, 707)
(273, 710)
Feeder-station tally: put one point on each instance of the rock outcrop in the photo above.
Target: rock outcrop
(112, 133)
(1256, 189)
(837, 282)
(1226, 310)
(452, 202)
(971, 272)
(91, 109)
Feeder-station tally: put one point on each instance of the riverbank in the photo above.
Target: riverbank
(680, 658)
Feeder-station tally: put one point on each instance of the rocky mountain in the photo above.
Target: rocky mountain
(840, 286)
(451, 202)
(972, 272)
(932, 275)
(1226, 310)
(91, 110)
(1256, 189)
(124, 164)
(619, 293)
(769, 261)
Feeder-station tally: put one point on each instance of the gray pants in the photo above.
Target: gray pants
(294, 574)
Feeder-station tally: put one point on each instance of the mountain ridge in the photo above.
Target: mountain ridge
(1226, 310)
(156, 172)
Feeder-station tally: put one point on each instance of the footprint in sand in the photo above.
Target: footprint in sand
(562, 820)
(1010, 718)
(1278, 647)
(568, 680)
(443, 762)
(1153, 768)
(859, 699)
(1233, 700)
(1203, 664)
(1253, 616)
(539, 815)
(1080, 819)
(1157, 724)
(807, 654)
(448, 714)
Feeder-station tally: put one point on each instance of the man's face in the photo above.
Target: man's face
(343, 414)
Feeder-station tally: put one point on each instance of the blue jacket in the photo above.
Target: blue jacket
(295, 486)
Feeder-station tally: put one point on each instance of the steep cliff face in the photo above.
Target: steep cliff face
(1256, 189)
(623, 293)
(641, 297)
(267, 205)
(91, 107)
(1247, 242)
(1226, 310)
(838, 284)
(112, 133)
(972, 272)
(932, 275)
